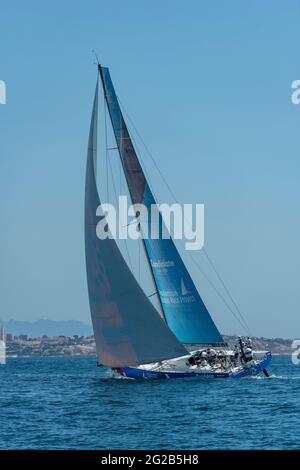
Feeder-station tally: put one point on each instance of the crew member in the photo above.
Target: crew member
(211, 355)
(248, 354)
(235, 358)
(242, 346)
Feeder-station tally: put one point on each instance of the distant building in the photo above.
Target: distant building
(23, 337)
(9, 337)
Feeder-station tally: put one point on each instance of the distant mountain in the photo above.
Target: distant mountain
(47, 327)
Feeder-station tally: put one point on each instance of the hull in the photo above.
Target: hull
(235, 373)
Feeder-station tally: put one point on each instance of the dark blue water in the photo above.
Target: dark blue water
(69, 403)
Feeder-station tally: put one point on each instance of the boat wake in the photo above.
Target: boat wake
(274, 377)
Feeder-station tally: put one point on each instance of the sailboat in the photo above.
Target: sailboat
(134, 339)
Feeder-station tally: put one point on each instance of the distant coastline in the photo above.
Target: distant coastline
(75, 338)
(24, 346)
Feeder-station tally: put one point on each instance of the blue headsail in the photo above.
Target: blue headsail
(183, 308)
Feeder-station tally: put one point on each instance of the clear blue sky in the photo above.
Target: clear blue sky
(208, 84)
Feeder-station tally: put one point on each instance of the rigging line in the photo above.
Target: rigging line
(153, 293)
(120, 179)
(146, 173)
(120, 164)
(240, 321)
(225, 287)
(144, 168)
(106, 149)
(139, 153)
(136, 147)
(115, 191)
(161, 310)
(148, 151)
(134, 221)
(96, 56)
(142, 163)
(139, 261)
(174, 197)
(113, 182)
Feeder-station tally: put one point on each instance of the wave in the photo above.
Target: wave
(275, 377)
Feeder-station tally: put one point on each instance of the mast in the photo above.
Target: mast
(185, 312)
(128, 329)
(120, 145)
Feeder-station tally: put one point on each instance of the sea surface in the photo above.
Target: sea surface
(69, 403)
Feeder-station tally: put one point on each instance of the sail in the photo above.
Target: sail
(183, 308)
(128, 330)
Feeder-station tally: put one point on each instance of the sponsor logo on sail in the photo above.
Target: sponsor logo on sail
(184, 290)
(162, 264)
